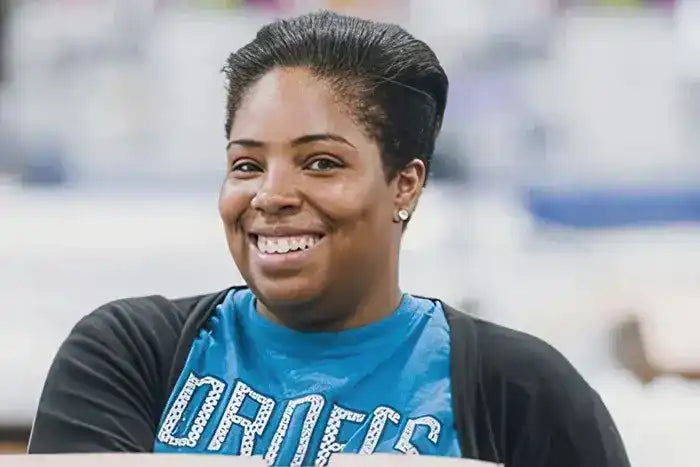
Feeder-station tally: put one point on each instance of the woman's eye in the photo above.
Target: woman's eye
(246, 167)
(324, 164)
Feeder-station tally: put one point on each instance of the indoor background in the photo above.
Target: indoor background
(565, 198)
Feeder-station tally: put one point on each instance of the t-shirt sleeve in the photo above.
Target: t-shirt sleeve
(547, 415)
(582, 432)
(103, 390)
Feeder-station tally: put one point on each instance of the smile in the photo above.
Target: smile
(279, 245)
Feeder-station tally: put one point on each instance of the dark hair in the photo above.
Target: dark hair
(393, 82)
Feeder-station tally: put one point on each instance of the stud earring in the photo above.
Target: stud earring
(402, 215)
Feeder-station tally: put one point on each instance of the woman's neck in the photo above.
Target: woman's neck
(335, 311)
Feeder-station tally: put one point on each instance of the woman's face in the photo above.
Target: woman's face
(306, 205)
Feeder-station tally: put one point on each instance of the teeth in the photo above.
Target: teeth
(280, 245)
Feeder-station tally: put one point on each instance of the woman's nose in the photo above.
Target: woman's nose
(277, 194)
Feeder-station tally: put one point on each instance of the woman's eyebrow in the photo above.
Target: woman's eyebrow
(248, 143)
(321, 137)
(305, 139)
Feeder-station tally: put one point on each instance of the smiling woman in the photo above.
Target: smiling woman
(331, 126)
(301, 168)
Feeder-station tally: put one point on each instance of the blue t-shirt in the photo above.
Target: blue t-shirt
(252, 387)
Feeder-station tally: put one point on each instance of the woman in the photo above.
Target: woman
(331, 126)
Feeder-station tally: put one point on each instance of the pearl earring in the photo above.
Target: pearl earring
(403, 215)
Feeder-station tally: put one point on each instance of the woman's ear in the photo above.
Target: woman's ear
(409, 185)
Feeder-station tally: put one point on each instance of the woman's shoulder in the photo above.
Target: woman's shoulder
(524, 387)
(514, 357)
(152, 312)
(124, 355)
(135, 330)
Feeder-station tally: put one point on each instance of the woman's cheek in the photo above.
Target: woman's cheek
(233, 201)
(350, 198)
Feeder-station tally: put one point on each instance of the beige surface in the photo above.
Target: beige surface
(127, 460)
(179, 460)
(350, 460)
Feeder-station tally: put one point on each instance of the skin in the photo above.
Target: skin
(298, 162)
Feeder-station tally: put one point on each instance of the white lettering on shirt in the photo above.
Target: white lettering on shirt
(252, 428)
(316, 403)
(216, 388)
(376, 428)
(404, 443)
(329, 443)
(256, 425)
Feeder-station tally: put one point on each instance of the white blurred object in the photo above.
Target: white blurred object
(617, 84)
(671, 323)
(51, 30)
(687, 22)
(455, 28)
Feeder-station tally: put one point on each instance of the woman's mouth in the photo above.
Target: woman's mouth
(279, 245)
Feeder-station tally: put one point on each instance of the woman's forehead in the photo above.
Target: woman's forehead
(287, 103)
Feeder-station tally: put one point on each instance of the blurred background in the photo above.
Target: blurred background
(565, 198)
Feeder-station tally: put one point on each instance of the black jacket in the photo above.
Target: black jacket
(517, 401)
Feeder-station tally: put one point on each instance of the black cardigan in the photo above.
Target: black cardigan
(517, 401)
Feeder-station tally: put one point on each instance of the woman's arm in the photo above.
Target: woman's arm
(103, 391)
